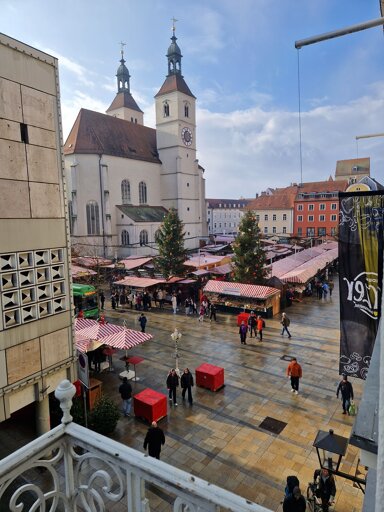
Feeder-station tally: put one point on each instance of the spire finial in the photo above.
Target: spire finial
(174, 20)
(122, 49)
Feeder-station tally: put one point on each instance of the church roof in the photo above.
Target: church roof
(95, 133)
(143, 213)
(174, 83)
(124, 99)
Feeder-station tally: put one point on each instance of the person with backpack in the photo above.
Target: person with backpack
(260, 326)
(285, 321)
(295, 502)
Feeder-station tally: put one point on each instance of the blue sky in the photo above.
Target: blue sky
(240, 62)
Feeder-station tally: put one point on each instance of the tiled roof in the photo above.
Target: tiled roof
(345, 167)
(174, 83)
(281, 199)
(95, 133)
(214, 203)
(143, 213)
(124, 99)
(322, 186)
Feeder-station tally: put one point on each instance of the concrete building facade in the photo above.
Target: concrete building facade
(224, 215)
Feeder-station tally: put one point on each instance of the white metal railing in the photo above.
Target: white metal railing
(74, 469)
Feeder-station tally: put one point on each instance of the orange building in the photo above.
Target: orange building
(316, 209)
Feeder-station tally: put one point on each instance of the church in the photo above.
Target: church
(122, 176)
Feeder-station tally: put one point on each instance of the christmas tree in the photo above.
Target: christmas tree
(249, 257)
(170, 241)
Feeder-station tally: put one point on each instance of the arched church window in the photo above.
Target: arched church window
(166, 109)
(143, 237)
(157, 235)
(125, 192)
(124, 237)
(93, 221)
(186, 109)
(142, 193)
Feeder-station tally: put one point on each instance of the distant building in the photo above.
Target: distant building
(352, 170)
(123, 176)
(365, 184)
(224, 215)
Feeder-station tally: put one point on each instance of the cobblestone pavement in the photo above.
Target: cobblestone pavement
(220, 438)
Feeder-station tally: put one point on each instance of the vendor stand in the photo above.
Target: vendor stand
(241, 298)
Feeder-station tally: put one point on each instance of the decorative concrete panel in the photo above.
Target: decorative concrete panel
(10, 101)
(38, 108)
(42, 164)
(54, 348)
(41, 137)
(13, 163)
(23, 360)
(14, 202)
(45, 200)
(10, 130)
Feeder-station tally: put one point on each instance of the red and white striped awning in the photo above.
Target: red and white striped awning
(139, 282)
(126, 339)
(240, 289)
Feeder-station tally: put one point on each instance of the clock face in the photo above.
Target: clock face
(186, 136)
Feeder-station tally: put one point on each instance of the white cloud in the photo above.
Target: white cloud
(82, 74)
(71, 107)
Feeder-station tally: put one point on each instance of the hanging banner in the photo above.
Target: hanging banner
(360, 278)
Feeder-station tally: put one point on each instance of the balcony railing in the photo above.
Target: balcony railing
(74, 469)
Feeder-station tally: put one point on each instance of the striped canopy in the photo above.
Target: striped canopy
(126, 339)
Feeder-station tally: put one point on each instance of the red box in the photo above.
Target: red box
(210, 376)
(242, 317)
(150, 405)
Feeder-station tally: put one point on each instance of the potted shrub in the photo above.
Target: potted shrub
(104, 417)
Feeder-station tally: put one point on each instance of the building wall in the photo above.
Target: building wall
(224, 216)
(275, 222)
(316, 217)
(36, 346)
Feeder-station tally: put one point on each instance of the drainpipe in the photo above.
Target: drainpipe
(102, 204)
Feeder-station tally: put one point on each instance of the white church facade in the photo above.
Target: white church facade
(123, 176)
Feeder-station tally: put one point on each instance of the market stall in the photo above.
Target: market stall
(238, 297)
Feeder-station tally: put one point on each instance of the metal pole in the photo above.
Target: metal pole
(337, 33)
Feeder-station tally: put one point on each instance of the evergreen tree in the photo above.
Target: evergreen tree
(249, 257)
(170, 241)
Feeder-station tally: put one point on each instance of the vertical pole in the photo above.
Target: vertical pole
(43, 423)
(85, 405)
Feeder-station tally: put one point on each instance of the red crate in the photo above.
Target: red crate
(210, 376)
(150, 405)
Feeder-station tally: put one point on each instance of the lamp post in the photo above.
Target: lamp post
(176, 335)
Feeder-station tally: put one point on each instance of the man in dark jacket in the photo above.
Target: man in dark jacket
(346, 390)
(186, 384)
(125, 391)
(154, 439)
(172, 384)
(143, 322)
(252, 321)
(326, 489)
(295, 502)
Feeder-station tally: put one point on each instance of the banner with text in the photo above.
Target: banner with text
(360, 278)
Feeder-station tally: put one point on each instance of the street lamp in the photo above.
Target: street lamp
(176, 335)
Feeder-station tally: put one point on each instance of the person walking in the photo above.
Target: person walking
(117, 299)
(125, 391)
(172, 384)
(174, 303)
(326, 489)
(102, 299)
(187, 305)
(346, 390)
(260, 326)
(331, 286)
(295, 502)
(143, 322)
(243, 333)
(187, 384)
(285, 321)
(113, 301)
(160, 298)
(212, 312)
(295, 372)
(252, 323)
(201, 313)
(154, 440)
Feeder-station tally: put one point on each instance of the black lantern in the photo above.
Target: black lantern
(330, 449)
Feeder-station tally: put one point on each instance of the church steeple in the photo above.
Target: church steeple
(122, 74)
(174, 54)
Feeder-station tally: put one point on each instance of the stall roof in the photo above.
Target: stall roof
(131, 264)
(308, 269)
(89, 261)
(77, 271)
(240, 289)
(222, 269)
(139, 282)
(204, 259)
(201, 272)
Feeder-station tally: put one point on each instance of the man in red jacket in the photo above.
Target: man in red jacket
(295, 372)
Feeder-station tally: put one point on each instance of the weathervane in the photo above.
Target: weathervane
(173, 25)
(122, 49)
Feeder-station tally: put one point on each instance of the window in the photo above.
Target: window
(125, 192)
(257, 218)
(310, 231)
(284, 229)
(71, 218)
(310, 218)
(166, 109)
(265, 217)
(158, 234)
(322, 218)
(284, 216)
(142, 193)
(299, 207)
(333, 218)
(334, 206)
(143, 237)
(322, 206)
(322, 231)
(265, 230)
(186, 110)
(274, 216)
(299, 231)
(274, 229)
(311, 207)
(299, 218)
(93, 221)
(124, 237)
(333, 231)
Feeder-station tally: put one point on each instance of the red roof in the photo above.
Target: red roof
(139, 282)
(174, 83)
(242, 290)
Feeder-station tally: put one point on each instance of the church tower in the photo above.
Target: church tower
(182, 182)
(124, 106)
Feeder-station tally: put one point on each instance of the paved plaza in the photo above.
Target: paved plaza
(219, 438)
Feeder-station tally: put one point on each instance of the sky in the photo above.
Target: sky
(240, 61)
